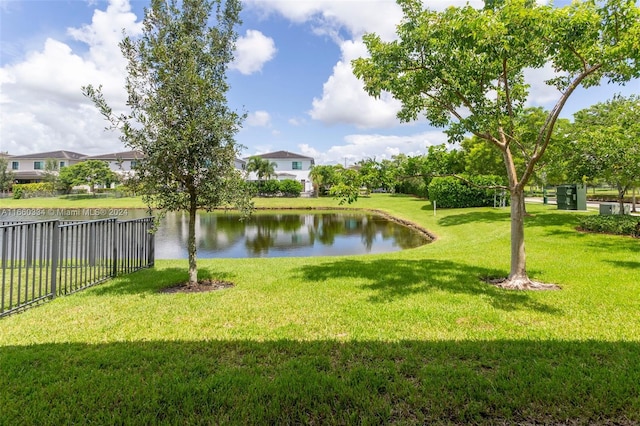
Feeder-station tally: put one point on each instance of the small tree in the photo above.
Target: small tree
(262, 167)
(6, 175)
(464, 69)
(605, 144)
(179, 119)
(323, 178)
(89, 172)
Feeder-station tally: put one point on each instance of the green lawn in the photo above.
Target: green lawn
(411, 337)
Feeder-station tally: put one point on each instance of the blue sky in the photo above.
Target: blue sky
(292, 76)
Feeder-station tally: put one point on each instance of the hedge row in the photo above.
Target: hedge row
(613, 224)
(451, 192)
(282, 188)
(28, 190)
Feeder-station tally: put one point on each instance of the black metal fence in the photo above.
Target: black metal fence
(42, 260)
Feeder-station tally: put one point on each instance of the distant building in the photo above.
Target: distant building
(31, 168)
(289, 166)
(122, 163)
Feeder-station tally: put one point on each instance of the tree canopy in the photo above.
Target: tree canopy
(605, 144)
(465, 69)
(179, 118)
(88, 172)
(262, 167)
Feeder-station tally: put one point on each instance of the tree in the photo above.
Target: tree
(51, 170)
(323, 178)
(179, 119)
(6, 175)
(605, 144)
(89, 172)
(371, 174)
(483, 158)
(347, 187)
(464, 70)
(262, 166)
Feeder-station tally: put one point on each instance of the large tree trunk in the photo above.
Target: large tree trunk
(518, 278)
(518, 272)
(633, 201)
(191, 242)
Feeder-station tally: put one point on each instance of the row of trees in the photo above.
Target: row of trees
(601, 145)
(463, 69)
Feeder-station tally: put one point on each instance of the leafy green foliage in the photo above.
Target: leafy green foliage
(290, 188)
(463, 69)
(324, 177)
(348, 187)
(273, 187)
(179, 119)
(605, 144)
(29, 190)
(264, 168)
(6, 175)
(475, 191)
(611, 224)
(89, 172)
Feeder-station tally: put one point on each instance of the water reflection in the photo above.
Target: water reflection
(281, 234)
(284, 235)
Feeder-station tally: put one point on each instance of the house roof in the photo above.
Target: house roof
(283, 154)
(28, 174)
(58, 155)
(125, 155)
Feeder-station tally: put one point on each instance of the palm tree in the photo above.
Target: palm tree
(262, 167)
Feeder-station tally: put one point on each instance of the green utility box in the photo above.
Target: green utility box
(571, 197)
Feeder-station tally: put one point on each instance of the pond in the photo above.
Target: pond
(265, 234)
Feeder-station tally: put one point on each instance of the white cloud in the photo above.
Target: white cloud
(252, 52)
(361, 146)
(328, 16)
(345, 101)
(42, 105)
(259, 119)
(540, 93)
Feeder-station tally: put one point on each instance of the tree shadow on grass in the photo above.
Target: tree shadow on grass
(390, 279)
(154, 280)
(541, 219)
(491, 216)
(321, 382)
(627, 265)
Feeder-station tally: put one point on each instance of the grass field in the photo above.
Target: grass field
(411, 337)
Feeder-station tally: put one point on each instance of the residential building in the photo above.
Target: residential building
(122, 163)
(32, 167)
(289, 165)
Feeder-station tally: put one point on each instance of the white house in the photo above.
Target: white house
(122, 163)
(31, 167)
(289, 166)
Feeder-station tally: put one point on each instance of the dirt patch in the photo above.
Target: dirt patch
(202, 286)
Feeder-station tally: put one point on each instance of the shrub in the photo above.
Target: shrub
(269, 187)
(290, 188)
(451, 192)
(614, 224)
(30, 190)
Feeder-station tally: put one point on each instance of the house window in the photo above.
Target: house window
(296, 165)
(62, 164)
(134, 163)
(15, 165)
(37, 165)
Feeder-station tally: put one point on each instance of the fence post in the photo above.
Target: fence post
(115, 230)
(152, 245)
(55, 254)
